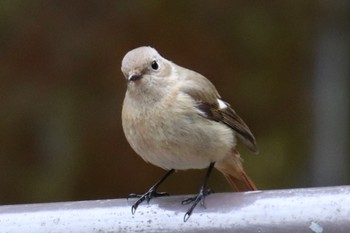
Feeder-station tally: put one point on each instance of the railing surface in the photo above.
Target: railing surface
(310, 210)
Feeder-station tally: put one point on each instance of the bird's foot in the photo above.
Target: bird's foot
(199, 198)
(145, 197)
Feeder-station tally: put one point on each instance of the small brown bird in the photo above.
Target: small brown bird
(175, 119)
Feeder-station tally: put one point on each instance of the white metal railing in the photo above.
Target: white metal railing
(311, 210)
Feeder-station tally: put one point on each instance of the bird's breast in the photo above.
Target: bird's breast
(175, 136)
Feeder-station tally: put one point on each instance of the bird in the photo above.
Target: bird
(174, 118)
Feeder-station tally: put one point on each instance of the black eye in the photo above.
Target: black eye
(155, 65)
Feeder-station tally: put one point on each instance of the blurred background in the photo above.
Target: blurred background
(282, 65)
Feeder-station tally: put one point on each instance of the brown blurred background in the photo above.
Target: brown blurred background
(283, 66)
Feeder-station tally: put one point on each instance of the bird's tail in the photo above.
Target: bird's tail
(232, 169)
(241, 185)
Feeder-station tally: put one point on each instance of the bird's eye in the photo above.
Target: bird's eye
(155, 65)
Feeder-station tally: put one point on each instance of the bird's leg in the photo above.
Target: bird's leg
(151, 193)
(203, 192)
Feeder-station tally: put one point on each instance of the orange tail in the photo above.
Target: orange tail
(241, 185)
(231, 168)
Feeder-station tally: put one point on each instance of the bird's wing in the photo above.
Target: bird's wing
(210, 104)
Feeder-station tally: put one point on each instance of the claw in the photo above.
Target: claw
(152, 192)
(145, 197)
(188, 201)
(133, 209)
(197, 199)
(192, 199)
(186, 217)
(203, 192)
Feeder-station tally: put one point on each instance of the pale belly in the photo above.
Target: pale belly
(179, 143)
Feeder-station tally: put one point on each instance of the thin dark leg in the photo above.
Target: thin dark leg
(203, 192)
(152, 192)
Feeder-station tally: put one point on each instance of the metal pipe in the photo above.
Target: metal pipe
(295, 210)
(330, 96)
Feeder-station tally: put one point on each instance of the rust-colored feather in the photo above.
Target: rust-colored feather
(241, 185)
(231, 168)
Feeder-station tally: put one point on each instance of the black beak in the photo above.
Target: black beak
(134, 77)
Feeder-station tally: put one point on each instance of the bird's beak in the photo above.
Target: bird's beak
(134, 77)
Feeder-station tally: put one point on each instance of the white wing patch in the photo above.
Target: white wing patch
(222, 104)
